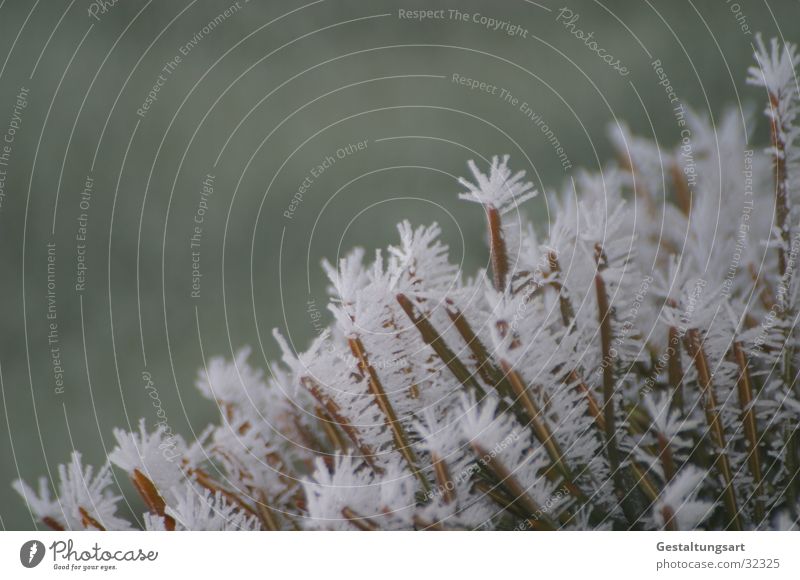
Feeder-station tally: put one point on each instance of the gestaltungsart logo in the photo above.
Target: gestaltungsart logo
(31, 553)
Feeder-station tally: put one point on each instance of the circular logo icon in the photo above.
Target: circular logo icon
(31, 553)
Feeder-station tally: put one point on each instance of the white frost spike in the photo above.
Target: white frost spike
(200, 510)
(154, 455)
(665, 420)
(678, 502)
(776, 65)
(500, 189)
(234, 382)
(349, 278)
(81, 493)
(40, 502)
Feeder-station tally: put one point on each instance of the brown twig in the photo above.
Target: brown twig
(540, 429)
(497, 245)
(401, 440)
(265, 515)
(333, 410)
(675, 368)
(695, 350)
(665, 456)
(432, 338)
(683, 194)
(515, 489)
(52, 524)
(670, 521)
(362, 523)
(89, 521)
(486, 368)
(744, 388)
(443, 479)
(152, 499)
(567, 312)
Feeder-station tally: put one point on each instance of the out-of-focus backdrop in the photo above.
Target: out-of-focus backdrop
(172, 173)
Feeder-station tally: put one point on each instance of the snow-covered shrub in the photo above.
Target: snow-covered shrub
(632, 365)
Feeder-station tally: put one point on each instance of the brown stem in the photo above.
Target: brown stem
(495, 492)
(540, 429)
(675, 368)
(498, 251)
(443, 479)
(517, 491)
(777, 127)
(401, 440)
(608, 370)
(744, 387)
(486, 368)
(155, 503)
(205, 481)
(567, 312)
(424, 525)
(329, 427)
(665, 456)
(682, 193)
(670, 522)
(695, 350)
(604, 316)
(362, 523)
(333, 410)
(621, 486)
(432, 338)
(594, 408)
(639, 476)
(644, 482)
(265, 515)
(89, 521)
(766, 292)
(52, 524)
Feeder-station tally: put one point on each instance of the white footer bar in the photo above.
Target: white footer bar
(389, 555)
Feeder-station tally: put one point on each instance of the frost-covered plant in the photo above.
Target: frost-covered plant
(635, 367)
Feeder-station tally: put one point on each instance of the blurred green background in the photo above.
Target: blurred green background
(260, 98)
